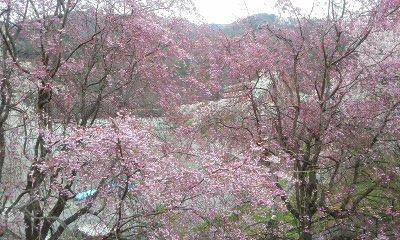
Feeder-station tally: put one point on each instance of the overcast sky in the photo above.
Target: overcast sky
(227, 11)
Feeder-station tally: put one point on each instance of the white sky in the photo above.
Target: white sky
(227, 11)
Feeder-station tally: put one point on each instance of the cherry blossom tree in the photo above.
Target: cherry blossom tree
(320, 98)
(301, 142)
(71, 63)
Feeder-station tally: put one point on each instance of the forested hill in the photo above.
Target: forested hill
(253, 21)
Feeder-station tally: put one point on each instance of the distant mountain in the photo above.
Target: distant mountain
(253, 21)
(260, 19)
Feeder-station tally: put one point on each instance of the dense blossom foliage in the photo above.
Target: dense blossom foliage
(121, 115)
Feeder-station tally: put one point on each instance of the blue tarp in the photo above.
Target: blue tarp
(82, 196)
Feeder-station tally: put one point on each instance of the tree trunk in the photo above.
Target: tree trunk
(2, 151)
(305, 228)
(305, 235)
